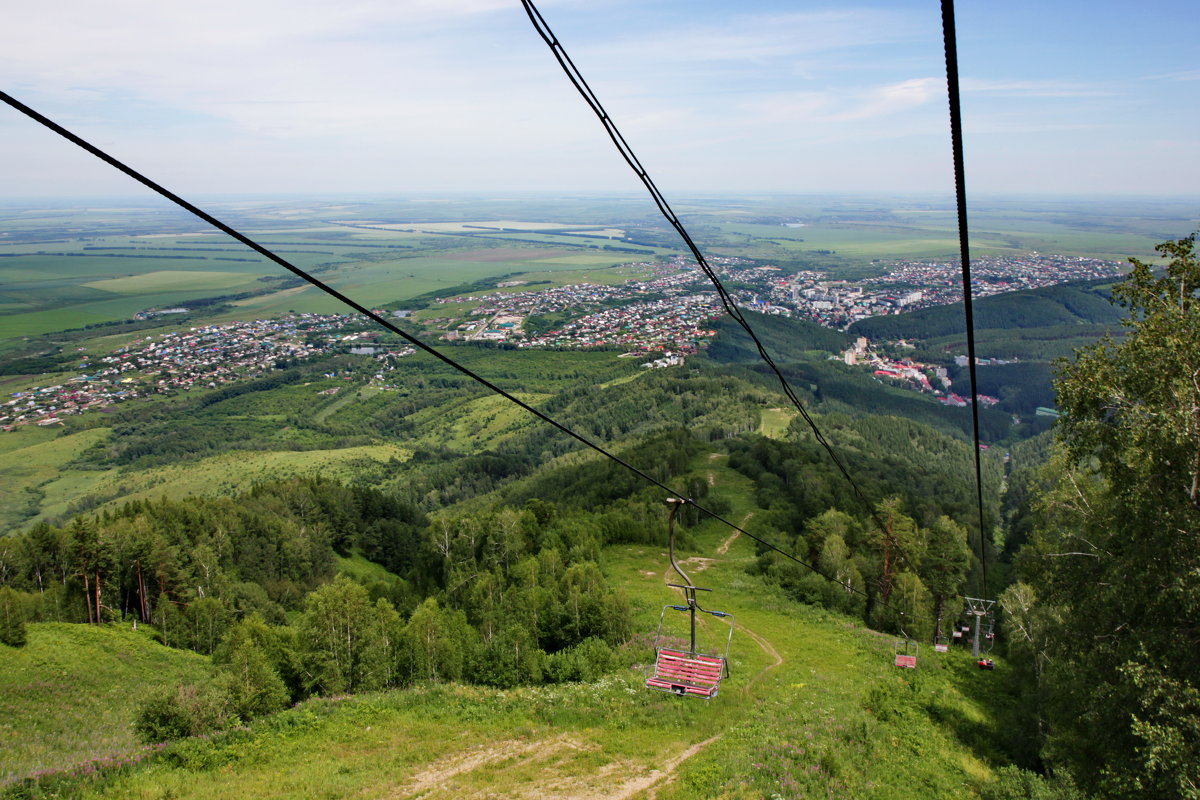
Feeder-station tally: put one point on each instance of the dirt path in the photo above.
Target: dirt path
(443, 770)
(724, 548)
(767, 648)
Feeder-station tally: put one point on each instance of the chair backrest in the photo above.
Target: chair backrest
(686, 673)
(908, 662)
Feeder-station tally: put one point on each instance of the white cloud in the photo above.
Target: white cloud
(1183, 75)
(1031, 88)
(894, 98)
(760, 37)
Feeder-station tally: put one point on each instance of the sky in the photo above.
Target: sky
(280, 97)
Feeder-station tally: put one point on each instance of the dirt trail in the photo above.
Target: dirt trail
(724, 548)
(437, 773)
(699, 562)
(767, 648)
(616, 780)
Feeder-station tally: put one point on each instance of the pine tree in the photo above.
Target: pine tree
(12, 618)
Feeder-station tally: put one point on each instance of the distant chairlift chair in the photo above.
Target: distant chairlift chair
(940, 645)
(690, 671)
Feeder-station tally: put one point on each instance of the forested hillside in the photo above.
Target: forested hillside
(1102, 613)
(313, 587)
(1069, 304)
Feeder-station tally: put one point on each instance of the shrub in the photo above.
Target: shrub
(1013, 783)
(181, 711)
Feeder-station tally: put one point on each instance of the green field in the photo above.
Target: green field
(775, 421)
(117, 261)
(30, 461)
(171, 280)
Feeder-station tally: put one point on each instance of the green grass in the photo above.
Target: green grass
(930, 235)
(774, 422)
(834, 716)
(25, 470)
(69, 694)
(360, 569)
(227, 473)
(177, 280)
(475, 424)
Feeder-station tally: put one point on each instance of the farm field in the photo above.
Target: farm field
(928, 238)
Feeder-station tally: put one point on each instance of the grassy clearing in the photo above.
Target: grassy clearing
(68, 695)
(813, 708)
(362, 570)
(227, 473)
(25, 470)
(773, 422)
(475, 424)
(349, 394)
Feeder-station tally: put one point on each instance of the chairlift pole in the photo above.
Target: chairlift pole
(975, 641)
(978, 608)
(691, 673)
(689, 591)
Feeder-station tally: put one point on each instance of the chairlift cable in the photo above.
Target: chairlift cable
(610, 127)
(960, 196)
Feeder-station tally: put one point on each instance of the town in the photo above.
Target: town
(207, 357)
(671, 310)
(666, 313)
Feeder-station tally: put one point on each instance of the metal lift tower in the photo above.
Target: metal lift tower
(980, 609)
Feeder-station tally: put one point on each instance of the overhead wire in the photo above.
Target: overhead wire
(584, 89)
(960, 198)
(414, 341)
(730, 305)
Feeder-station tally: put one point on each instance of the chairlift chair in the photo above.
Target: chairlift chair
(687, 671)
(908, 658)
(940, 645)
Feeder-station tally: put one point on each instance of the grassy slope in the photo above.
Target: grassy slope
(68, 695)
(230, 473)
(813, 707)
(30, 458)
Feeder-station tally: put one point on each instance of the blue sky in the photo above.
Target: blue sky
(404, 96)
